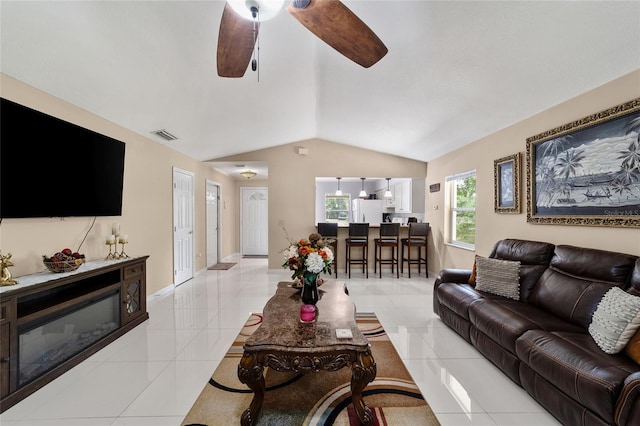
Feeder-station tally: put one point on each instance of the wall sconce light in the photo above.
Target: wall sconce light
(388, 193)
(248, 173)
(338, 191)
(363, 193)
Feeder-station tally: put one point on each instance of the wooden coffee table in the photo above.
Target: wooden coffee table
(283, 343)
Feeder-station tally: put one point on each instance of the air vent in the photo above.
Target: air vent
(165, 135)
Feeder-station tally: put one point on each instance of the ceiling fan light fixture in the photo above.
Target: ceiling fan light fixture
(267, 9)
(248, 173)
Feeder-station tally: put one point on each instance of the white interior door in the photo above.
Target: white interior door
(183, 202)
(213, 223)
(254, 221)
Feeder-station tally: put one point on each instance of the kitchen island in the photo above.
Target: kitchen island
(343, 233)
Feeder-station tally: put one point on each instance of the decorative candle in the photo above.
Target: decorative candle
(115, 229)
(307, 313)
(111, 239)
(124, 238)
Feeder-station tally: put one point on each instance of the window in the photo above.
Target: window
(461, 192)
(336, 208)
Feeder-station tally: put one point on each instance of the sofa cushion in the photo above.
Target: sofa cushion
(569, 298)
(499, 323)
(504, 320)
(457, 297)
(496, 276)
(615, 320)
(577, 279)
(573, 363)
(534, 257)
(634, 288)
(595, 265)
(527, 252)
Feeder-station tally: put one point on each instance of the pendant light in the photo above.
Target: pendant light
(363, 193)
(338, 191)
(388, 193)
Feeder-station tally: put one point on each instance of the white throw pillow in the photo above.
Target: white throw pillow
(497, 276)
(615, 320)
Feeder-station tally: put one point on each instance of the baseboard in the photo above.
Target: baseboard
(161, 292)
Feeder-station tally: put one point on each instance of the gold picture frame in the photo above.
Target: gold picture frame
(587, 172)
(506, 184)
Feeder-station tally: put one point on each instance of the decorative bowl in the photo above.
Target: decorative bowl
(63, 265)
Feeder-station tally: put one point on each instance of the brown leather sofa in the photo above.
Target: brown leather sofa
(542, 341)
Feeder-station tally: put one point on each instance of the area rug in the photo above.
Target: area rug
(221, 266)
(322, 398)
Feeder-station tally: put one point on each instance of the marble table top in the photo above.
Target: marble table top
(282, 330)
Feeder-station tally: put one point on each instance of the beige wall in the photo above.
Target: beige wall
(147, 215)
(480, 156)
(147, 211)
(291, 182)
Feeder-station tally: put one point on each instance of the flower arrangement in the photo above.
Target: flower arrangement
(308, 258)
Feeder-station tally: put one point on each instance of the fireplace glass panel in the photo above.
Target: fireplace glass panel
(45, 345)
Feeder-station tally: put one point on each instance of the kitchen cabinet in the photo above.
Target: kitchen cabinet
(402, 196)
(400, 200)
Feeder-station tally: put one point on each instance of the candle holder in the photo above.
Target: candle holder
(111, 255)
(122, 254)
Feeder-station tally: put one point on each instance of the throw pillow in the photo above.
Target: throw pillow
(497, 276)
(633, 347)
(472, 277)
(615, 320)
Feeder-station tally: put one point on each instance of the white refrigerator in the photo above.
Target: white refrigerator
(367, 211)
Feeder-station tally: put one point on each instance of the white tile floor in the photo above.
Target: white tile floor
(153, 374)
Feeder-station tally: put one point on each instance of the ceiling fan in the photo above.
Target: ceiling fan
(329, 20)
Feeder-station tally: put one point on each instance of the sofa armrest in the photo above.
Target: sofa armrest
(628, 406)
(453, 276)
(460, 276)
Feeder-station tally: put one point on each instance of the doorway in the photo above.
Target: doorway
(183, 206)
(213, 223)
(254, 221)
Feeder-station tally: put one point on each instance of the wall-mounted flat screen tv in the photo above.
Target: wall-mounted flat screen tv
(53, 168)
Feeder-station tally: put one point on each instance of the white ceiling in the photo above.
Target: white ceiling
(455, 72)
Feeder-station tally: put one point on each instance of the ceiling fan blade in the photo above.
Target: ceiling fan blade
(335, 24)
(235, 44)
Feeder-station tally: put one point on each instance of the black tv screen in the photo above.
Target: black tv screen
(53, 168)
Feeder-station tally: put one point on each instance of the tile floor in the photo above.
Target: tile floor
(153, 374)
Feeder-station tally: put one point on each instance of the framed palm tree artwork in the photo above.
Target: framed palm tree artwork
(506, 184)
(587, 172)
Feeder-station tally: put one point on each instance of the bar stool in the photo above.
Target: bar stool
(417, 238)
(358, 238)
(389, 237)
(329, 231)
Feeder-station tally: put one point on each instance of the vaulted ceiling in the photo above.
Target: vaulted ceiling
(456, 71)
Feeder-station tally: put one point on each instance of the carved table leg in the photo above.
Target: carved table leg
(362, 373)
(250, 373)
